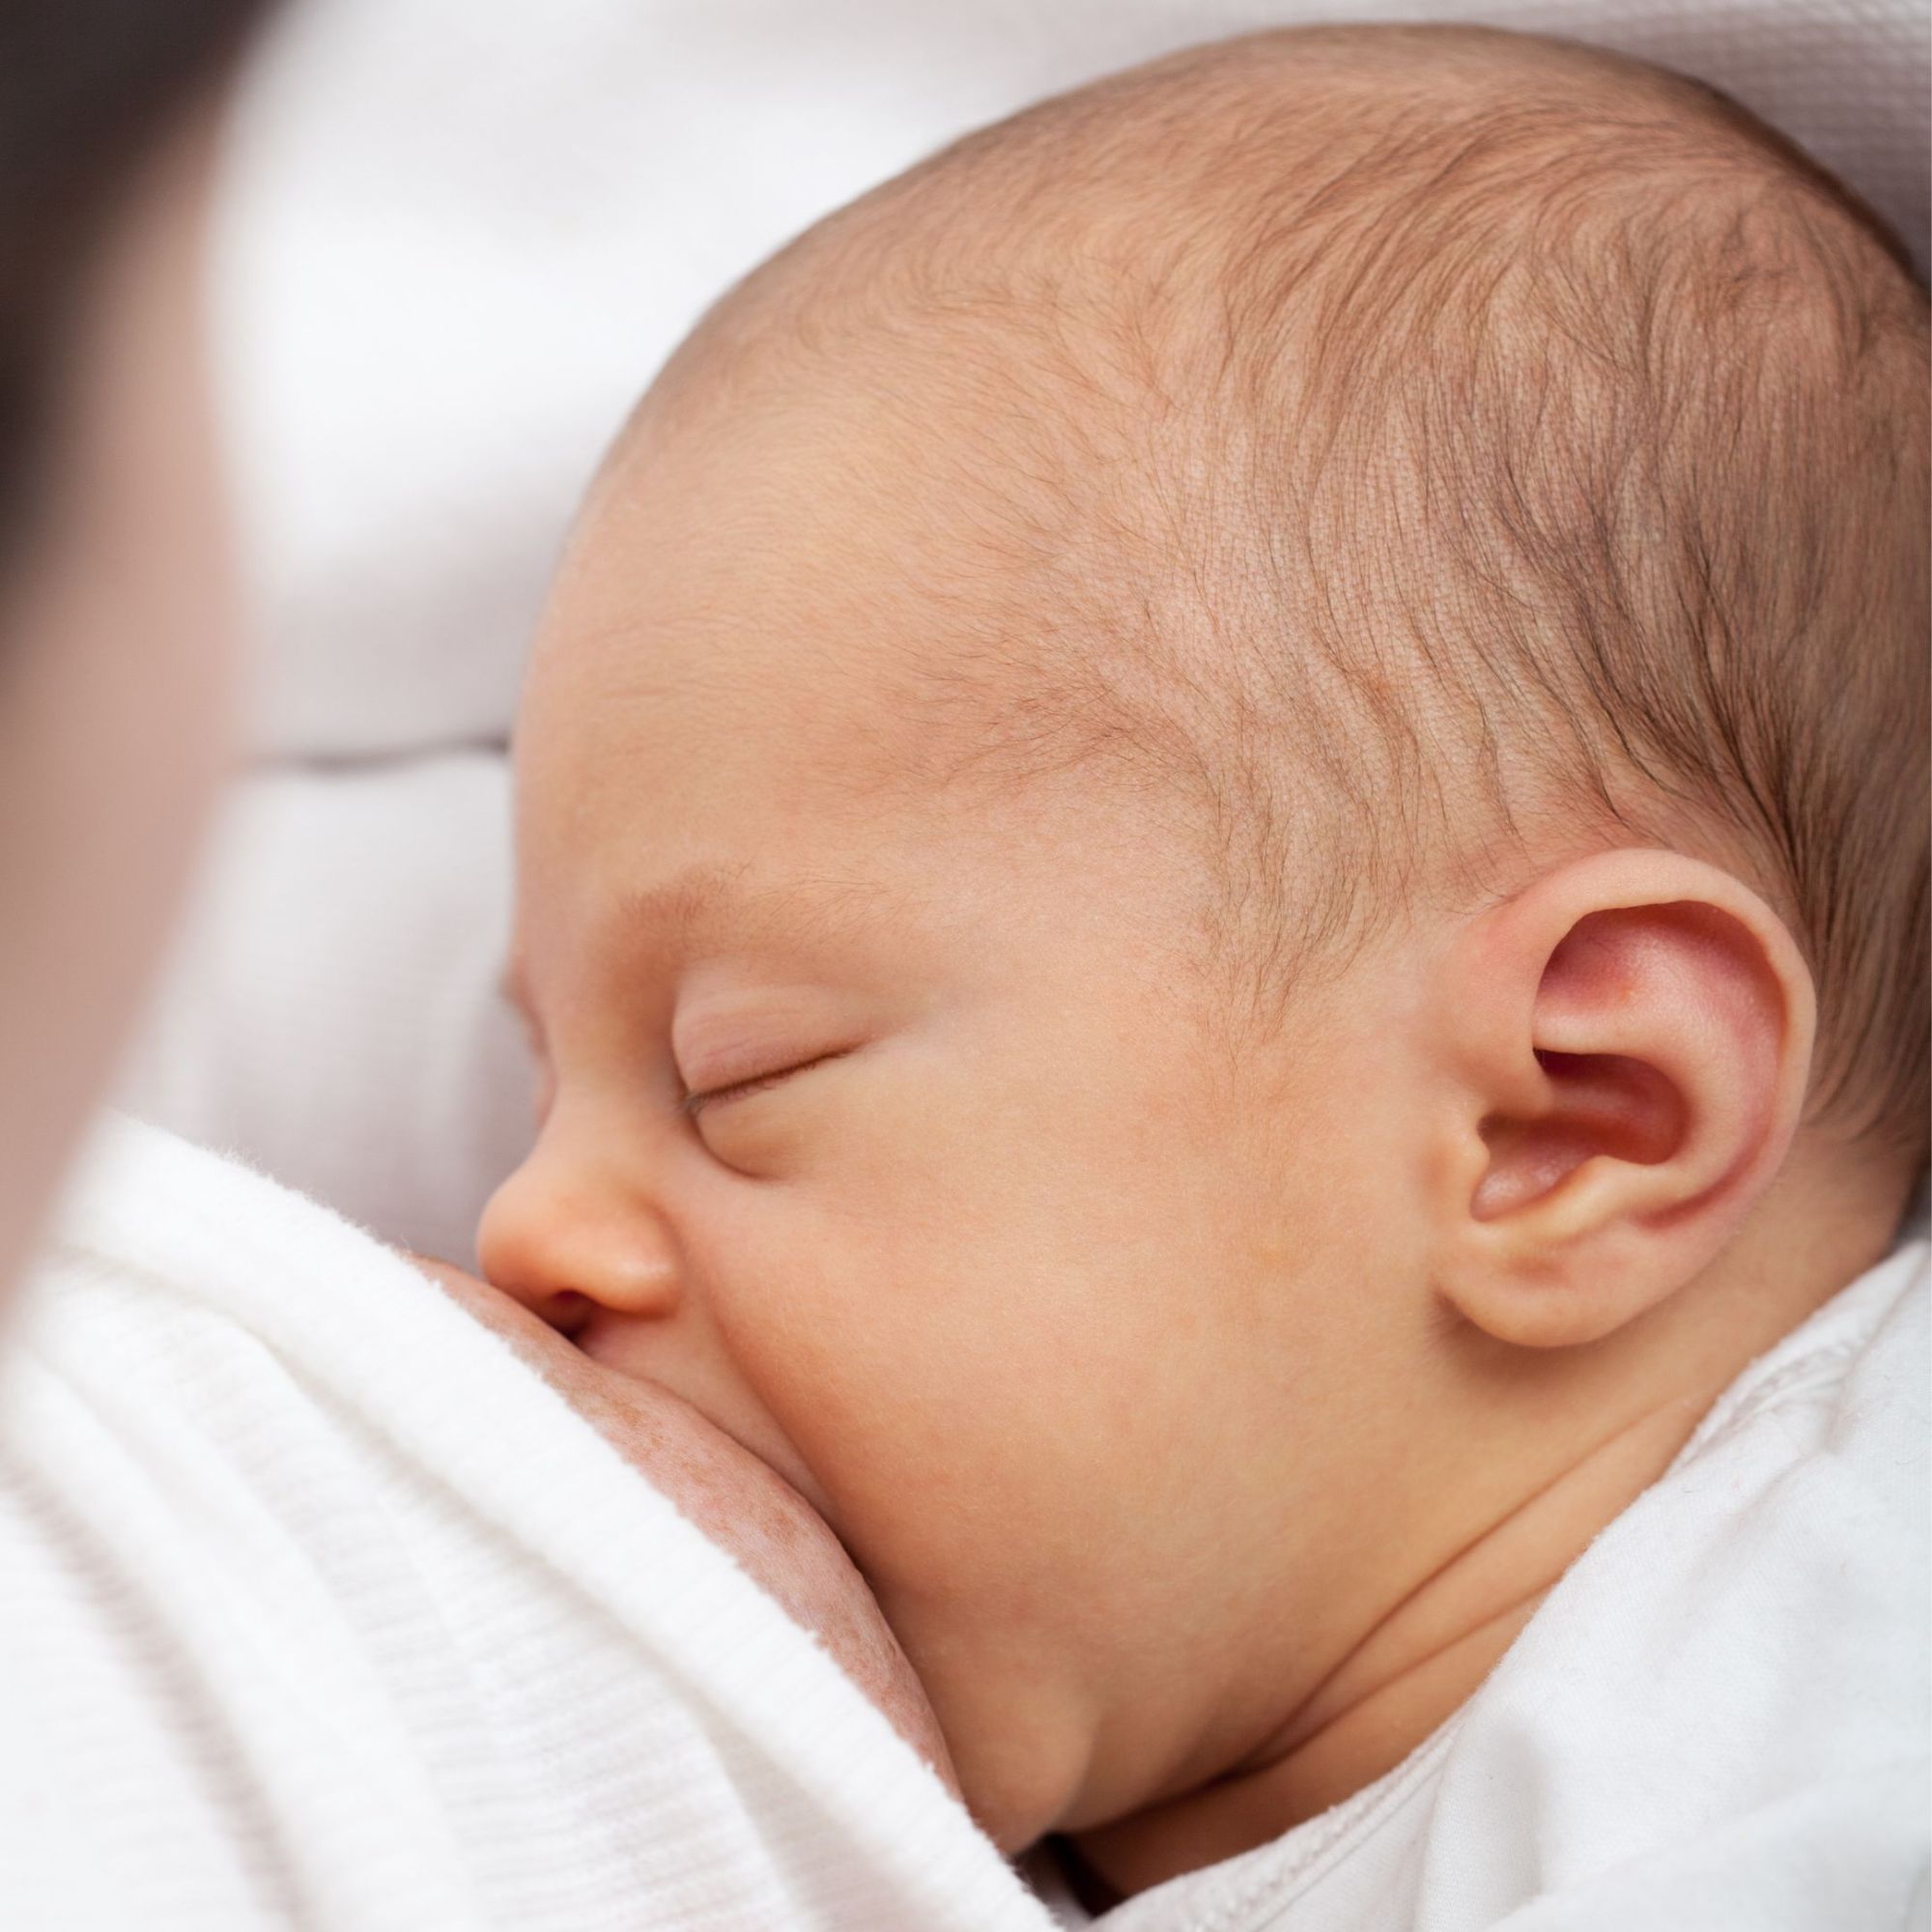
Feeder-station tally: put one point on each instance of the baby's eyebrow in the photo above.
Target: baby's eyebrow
(671, 916)
(669, 919)
(707, 907)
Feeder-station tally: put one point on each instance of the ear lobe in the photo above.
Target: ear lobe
(1635, 1034)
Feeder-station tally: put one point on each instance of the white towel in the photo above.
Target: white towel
(319, 1609)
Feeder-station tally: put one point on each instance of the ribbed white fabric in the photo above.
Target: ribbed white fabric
(319, 1609)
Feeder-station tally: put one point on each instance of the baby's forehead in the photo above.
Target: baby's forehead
(1041, 428)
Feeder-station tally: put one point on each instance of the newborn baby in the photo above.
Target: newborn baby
(1222, 864)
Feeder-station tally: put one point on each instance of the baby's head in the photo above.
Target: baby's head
(1189, 806)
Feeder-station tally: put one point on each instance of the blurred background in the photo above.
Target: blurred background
(454, 239)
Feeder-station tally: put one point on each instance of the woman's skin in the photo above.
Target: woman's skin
(737, 1500)
(117, 616)
(118, 619)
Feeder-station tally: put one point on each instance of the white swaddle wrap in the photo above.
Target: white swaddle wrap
(321, 1610)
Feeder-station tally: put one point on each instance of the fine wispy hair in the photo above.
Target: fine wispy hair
(1412, 455)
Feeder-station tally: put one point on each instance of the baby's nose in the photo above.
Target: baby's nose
(566, 1249)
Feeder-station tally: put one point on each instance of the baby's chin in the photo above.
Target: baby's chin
(735, 1497)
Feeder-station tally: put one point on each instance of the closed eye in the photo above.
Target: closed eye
(741, 1090)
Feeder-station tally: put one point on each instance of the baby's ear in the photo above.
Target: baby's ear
(1628, 1044)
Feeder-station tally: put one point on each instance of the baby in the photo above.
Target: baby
(1223, 853)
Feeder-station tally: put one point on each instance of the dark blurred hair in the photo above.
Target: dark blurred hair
(87, 89)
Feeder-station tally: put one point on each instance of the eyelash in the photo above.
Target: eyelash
(693, 1104)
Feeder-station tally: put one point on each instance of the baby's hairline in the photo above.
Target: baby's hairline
(794, 307)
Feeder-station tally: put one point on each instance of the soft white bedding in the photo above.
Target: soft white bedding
(333, 1009)
(457, 238)
(381, 1633)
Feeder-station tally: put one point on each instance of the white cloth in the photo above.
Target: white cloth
(1717, 1722)
(333, 1012)
(320, 1610)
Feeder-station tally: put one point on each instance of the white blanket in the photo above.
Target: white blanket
(333, 1012)
(322, 1610)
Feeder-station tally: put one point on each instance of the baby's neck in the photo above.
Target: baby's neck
(1427, 1653)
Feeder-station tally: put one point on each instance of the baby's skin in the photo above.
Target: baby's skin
(1207, 1390)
